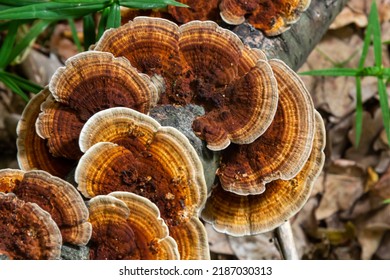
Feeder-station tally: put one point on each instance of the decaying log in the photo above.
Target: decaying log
(294, 45)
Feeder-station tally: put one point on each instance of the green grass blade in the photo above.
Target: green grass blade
(359, 112)
(6, 48)
(366, 46)
(350, 72)
(51, 10)
(89, 31)
(22, 83)
(387, 201)
(150, 4)
(103, 22)
(10, 83)
(376, 32)
(18, 3)
(384, 107)
(114, 16)
(83, 1)
(33, 33)
(75, 35)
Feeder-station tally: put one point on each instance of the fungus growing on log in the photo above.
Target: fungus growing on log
(89, 82)
(197, 10)
(128, 226)
(282, 150)
(201, 63)
(26, 231)
(273, 17)
(54, 195)
(32, 149)
(128, 151)
(240, 215)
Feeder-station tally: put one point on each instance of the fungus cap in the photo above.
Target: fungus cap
(54, 195)
(32, 149)
(128, 151)
(200, 62)
(127, 226)
(273, 17)
(240, 215)
(89, 82)
(26, 231)
(281, 152)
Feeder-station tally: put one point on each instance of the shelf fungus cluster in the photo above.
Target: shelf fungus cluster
(60, 208)
(144, 183)
(273, 17)
(89, 82)
(258, 111)
(125, 150)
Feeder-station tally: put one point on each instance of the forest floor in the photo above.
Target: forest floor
(345, 217)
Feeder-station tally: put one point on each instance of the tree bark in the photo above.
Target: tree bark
(295, 45)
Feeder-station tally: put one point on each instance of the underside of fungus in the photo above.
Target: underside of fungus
(54, 195)
(128, 226)
(240, 215)
(89, 82)
(26, 231)
(204, 64)
(128, 151)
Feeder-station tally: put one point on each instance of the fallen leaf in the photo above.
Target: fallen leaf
(343, 186)
(218, 242)
(257, 247)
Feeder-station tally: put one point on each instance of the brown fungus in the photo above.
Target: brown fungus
(282, 150)
(32, 149)
(54, 195)
(150, 230)
(127, 226)
(89, 82)
(26, 231)
(240, 215)
(197, 10)
(201, 63)
(128, 151)
(273, 17)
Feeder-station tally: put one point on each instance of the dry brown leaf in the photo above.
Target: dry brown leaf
(305, 225)
(218, 242)
(344, 184)
(257, 247)
(371, 228)
(383, 251)
(356, 12)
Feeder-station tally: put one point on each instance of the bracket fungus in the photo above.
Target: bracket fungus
(26, 231)
(201, 63)
(128, 226)
(54, 195)
(129, 151)
(197, 10)
(273, 17)
(240, 215)
(283, 149)
(32, 149)
(89, 82)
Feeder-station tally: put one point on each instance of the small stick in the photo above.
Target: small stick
(285, 238)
